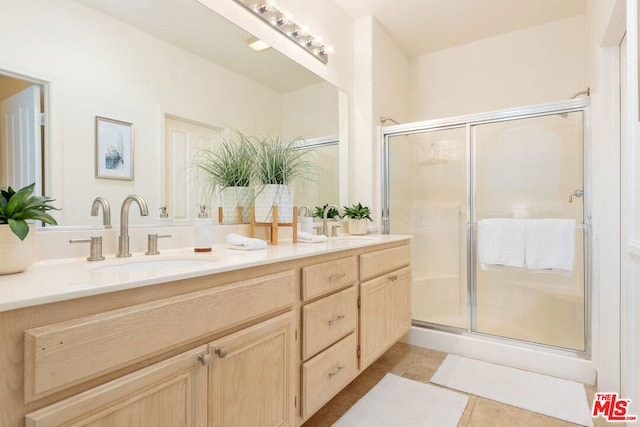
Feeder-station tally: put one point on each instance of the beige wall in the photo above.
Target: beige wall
(10, 86)
(541, 64)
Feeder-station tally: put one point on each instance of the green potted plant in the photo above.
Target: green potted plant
(278, 165)
(318, 212)
(17, 243)
(228, 170)
(358, 216)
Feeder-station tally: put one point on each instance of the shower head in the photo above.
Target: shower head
(383, 120)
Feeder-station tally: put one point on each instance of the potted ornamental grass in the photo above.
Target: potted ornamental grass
(17, 236)
(359, 216)
(279, 164)
(228, 171)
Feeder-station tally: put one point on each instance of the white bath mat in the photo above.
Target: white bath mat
(398, 401)
(563, 399)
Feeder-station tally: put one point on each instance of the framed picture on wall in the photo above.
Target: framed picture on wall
(114, 149)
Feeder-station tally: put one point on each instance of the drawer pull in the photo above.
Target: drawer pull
(221, 352)
(393, 277)
(337, 276)
(204, 359)
(336, 319)
(335, 371)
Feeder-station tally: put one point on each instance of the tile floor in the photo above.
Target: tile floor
(420, 364)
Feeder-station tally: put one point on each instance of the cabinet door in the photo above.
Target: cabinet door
(169, 393)
(385, 313)
(251, 376)
(373, 319)
(399, 304)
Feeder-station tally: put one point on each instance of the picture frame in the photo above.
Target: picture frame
(114, 149)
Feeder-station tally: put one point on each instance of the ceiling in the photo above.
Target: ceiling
(421, 26)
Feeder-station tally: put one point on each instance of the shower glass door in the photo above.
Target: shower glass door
(531, 168)
(427, 187)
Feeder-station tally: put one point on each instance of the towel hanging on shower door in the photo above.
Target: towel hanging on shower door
(550, 244)
(501, 242)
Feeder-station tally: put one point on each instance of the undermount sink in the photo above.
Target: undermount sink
(155, 265)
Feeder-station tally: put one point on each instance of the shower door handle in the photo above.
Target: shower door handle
(577, 193)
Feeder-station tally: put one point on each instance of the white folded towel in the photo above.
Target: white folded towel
(236, 241)
(311, 238)
(501, 242)
(551, 244)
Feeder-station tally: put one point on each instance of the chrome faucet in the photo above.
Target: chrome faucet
(325, 230)
(106, 210)
(123, 240)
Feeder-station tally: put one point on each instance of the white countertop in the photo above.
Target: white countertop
(59, 280)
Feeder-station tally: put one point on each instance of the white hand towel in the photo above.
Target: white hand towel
(311, 238)
(551, 244)
(501, 242)
(236, 241)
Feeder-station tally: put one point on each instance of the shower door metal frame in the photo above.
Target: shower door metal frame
(470, 121)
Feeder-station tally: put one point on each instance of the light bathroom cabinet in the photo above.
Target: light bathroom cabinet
(262, 345)
(385, 301)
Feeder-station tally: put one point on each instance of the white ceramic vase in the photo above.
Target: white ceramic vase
(16, 255)
(231, 198)
(270, 195)
(358, 226)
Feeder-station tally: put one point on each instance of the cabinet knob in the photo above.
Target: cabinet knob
(204, 359)
(393, 277)
(221, 352)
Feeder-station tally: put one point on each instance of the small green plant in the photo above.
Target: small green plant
(318, 212)
(283, 162)
(231, 164)
(357, 212)
(16, 207)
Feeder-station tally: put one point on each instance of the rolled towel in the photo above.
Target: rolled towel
(242, 243)
(311, 238)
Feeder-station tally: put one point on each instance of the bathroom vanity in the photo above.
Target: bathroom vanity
(252, 338)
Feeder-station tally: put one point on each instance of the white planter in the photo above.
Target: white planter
(231, 198)
(16, 255)
(358, 226)
(270, 195)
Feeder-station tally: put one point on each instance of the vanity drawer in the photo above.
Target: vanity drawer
(63, 354)
(328, 373)
(376, 263)
(327, 320)
(320, 279)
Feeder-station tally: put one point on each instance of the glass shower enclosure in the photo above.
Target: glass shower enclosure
(443, 178)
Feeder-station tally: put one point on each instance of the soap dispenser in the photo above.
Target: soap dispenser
(202, 231)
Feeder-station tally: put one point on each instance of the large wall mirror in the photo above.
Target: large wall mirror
(165, 67)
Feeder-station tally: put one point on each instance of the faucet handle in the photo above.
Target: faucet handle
(334, 230)
(152, 243)
(95, 249)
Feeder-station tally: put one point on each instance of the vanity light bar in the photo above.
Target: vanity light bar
(267, 11)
